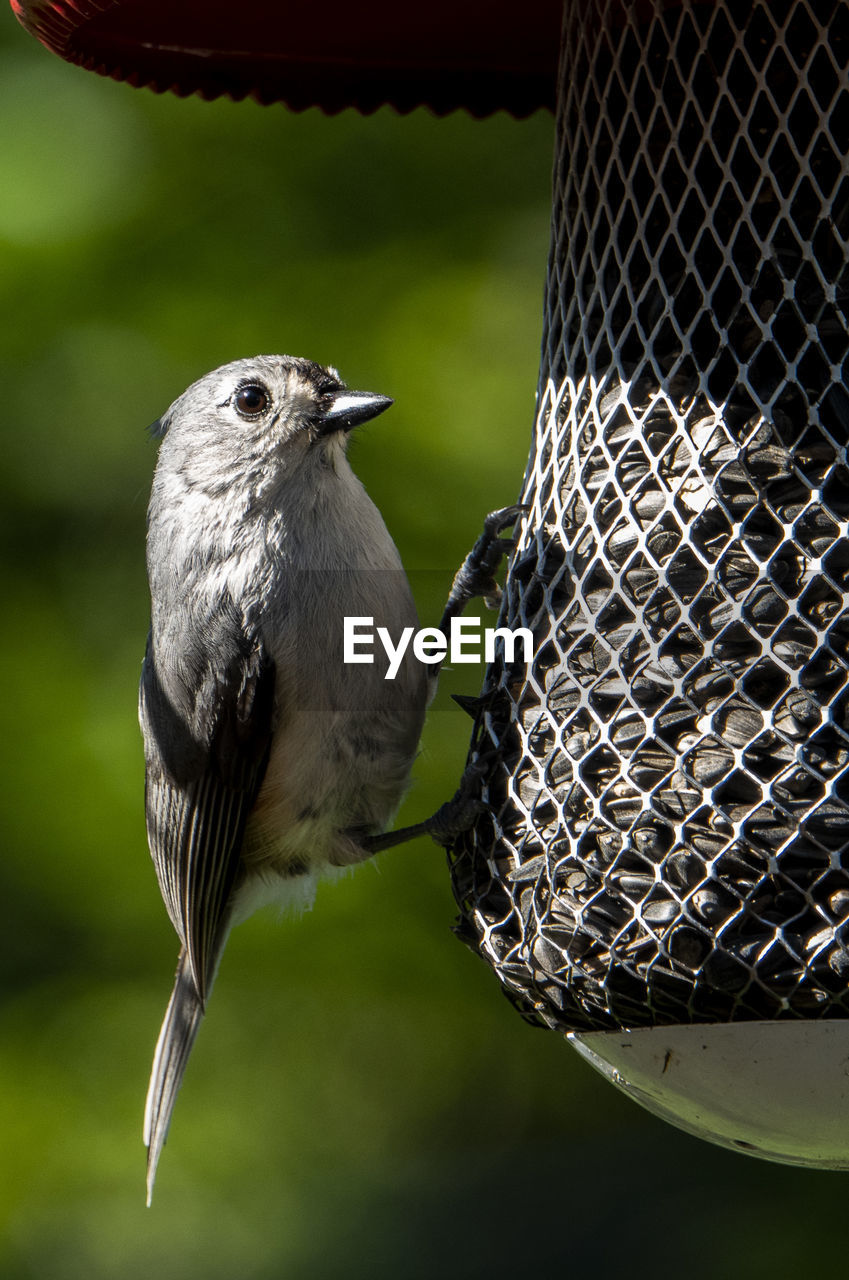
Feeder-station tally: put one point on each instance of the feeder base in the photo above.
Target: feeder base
(777, 1090)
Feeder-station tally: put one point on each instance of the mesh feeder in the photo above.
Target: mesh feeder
(660, 871)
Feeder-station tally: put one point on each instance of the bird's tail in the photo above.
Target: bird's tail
(179, 1028)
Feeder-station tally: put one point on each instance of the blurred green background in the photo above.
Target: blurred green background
(362, 1101)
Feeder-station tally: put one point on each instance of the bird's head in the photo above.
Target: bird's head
(253, 421)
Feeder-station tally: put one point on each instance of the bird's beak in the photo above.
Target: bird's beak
(350, 408)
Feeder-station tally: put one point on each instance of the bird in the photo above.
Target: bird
(269, 762)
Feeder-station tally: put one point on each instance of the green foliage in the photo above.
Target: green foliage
(362, 1101)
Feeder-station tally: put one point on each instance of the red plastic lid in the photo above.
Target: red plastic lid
(483, 55)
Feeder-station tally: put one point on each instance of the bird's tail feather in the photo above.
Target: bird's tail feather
(179, 1028)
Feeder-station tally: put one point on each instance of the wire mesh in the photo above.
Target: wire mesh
(665, 835)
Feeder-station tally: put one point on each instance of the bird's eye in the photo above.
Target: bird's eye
(252, 400)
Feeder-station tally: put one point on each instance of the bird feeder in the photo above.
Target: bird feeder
(660, 871)
(327, 53)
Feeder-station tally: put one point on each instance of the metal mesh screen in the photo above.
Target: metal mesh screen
(666, 832)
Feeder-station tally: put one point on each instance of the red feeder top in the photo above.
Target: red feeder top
(483, 55)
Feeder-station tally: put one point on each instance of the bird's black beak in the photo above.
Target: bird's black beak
(350, 408)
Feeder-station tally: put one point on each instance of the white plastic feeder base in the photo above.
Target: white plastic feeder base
(778, 1090)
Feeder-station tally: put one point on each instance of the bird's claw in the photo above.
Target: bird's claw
(476, 575)
(504, 518)
(459, 813)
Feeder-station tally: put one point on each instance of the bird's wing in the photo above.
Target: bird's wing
(207, 723)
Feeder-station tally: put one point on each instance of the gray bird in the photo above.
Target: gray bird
(269, 761)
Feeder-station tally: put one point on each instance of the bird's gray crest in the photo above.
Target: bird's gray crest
(341, 407)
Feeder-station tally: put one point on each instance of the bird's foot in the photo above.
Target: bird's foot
(476, 575)
(459, 813)
(450, 821)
